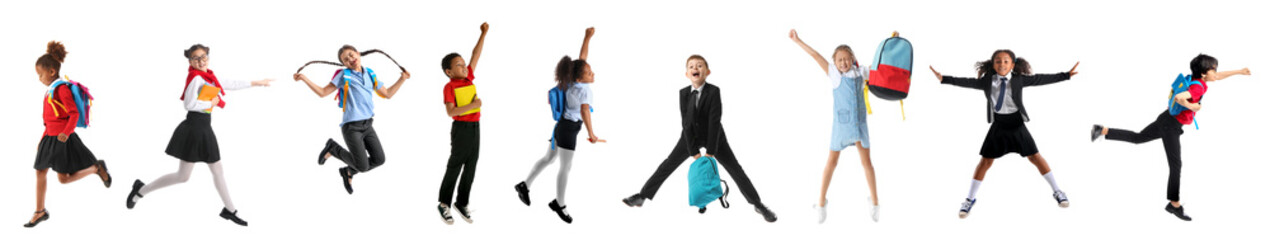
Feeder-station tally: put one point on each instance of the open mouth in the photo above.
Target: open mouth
(696, 74)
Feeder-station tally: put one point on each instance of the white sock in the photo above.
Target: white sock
(218, 179)
(540, 165)
(562, 180)
(974, 188)
(1049, 177)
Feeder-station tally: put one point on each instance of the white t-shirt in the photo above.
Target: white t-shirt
(577, 95)
(835, 77)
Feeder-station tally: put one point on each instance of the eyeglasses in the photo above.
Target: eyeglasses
(199, 59)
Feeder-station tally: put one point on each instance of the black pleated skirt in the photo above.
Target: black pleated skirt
(1008, 134)
(63, 157)
(193, 140)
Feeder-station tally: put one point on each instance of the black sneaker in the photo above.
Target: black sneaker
(555, 206)
(325, 150)
(347, 174)
(965, 208)
(232, 216)
(1177, 211)
(522, 190)
(445, 214)
(634, 200)
(768, 215)
(464, 213)
(136, 193)
(1096, 133)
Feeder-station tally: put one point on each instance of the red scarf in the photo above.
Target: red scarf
(209, 77)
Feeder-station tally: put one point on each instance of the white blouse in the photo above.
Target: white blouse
(191, 92)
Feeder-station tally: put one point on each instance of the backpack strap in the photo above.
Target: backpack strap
(55, 103)
(714, 163)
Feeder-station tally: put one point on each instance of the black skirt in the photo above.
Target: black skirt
(193, 140)
(64, 157)
(1007, 135)
(566, 134)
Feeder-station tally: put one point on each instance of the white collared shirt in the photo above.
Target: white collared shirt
(1008, 106)
(191, 93)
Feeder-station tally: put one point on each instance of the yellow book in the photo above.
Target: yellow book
(207, 93)
(463, 96)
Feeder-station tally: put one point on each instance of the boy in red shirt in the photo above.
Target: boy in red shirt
(1168, 127)
(465, 132)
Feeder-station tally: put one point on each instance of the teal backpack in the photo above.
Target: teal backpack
(83, 100)
(704, 184)
(1181, 84)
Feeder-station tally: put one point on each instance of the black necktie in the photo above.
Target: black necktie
(1001, 94)
(695, 95)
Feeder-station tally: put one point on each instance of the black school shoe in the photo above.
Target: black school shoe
(522, 190)
(634, 200)
(136, 192)
(1176, 211)
(38, 220)
(232, 216)
(325, 150)
(555, 206)
(768, 215)
(346, 174)
(101, 168)
(1096, 133)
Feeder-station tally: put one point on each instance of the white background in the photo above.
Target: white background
(777, 118)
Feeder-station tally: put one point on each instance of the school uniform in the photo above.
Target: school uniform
(364, 152)
(1006, 111)
(61, 115)
(1167, 128)
(193, 140)
(465, 146)
(701, 110)
(570, 124)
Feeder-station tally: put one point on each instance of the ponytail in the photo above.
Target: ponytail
(53, 57)
(568, 71)
(348, 47)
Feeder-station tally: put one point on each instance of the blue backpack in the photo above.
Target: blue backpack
(341, 95)
(704, 185)
(1181, 84)
(556, 98)
(83, 100)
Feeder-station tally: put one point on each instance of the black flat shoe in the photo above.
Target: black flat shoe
(101, 168)
(136, 192)
(1097, 132)
(634, 201)
(232, 216)
(555, 206)
(1177, 211)
(325, 150)
(348, 178)
(522, 190)
(768, 215)
(38, 220)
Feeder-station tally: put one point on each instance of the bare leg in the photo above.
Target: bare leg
(828, 176)
(1040, 163)
(66, 178)
(41, 184)
(867, 162)
(982, 169)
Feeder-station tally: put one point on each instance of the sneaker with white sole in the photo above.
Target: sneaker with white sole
(445, 214)
(965, 207)
(1061, 198)
(874, 212)
(465, 213)
(821, 213)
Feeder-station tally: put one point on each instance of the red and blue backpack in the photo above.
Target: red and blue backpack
(889, 77)
(83, 100)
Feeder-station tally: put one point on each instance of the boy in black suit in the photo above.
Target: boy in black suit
(701, 109)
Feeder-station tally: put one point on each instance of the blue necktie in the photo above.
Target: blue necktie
(1001, 94)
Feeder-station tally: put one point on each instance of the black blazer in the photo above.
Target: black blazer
(1016, 87)
(701, 127)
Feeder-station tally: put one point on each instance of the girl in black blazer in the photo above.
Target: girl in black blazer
(1002, 79)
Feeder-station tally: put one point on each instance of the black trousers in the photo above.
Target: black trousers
(1167, 129)
(361, 139)
(465, 146)
(725, 157)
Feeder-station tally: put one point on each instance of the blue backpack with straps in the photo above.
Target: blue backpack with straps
(341, 95)
(1183, 83)
(83, 100)
(704, 184)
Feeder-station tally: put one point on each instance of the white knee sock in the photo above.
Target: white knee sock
(180, 176)
(540, 165)
(218, 177)
(562, 180)
(1049, 177)
(974, 188)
